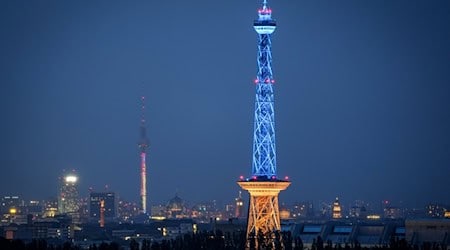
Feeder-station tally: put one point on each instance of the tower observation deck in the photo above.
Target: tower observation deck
(264, 185)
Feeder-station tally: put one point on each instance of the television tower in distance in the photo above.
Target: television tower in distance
(143, 145)
(264, 186)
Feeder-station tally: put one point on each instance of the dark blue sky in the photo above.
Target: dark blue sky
(362, 97)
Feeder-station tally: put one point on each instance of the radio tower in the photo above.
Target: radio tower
(143, 145)
(263, 225)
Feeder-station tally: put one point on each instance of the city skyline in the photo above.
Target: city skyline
(362, 95)
(119, 209)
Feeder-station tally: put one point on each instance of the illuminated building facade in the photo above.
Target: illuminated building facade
(447, 214)
(50, 207)
(239, 212)
(158, 212)
(285, 213)
(337, 209)
(109, 206)
(68, 198)
(264, 186)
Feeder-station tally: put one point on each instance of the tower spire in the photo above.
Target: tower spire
(143, 145)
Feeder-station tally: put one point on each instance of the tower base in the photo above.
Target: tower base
(263, 224)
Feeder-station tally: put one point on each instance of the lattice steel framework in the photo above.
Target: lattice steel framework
(264, 156)
(263, 225)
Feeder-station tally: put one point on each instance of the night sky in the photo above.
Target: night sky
(362, 97)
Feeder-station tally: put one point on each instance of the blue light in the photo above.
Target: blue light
(264, 153)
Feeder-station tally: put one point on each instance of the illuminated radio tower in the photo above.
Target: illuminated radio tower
(143, 145)
(263, 225)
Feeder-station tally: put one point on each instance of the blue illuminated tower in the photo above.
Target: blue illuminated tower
(264, 186)
(264, 155)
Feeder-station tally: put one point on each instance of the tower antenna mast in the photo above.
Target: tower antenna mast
(143, 145)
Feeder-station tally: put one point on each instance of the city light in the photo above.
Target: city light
(71, 178)
(373, 217)
(12, 211)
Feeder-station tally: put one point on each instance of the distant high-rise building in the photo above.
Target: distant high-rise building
(109, 206)
(239, 206)
(337, 209)
(68, 199)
